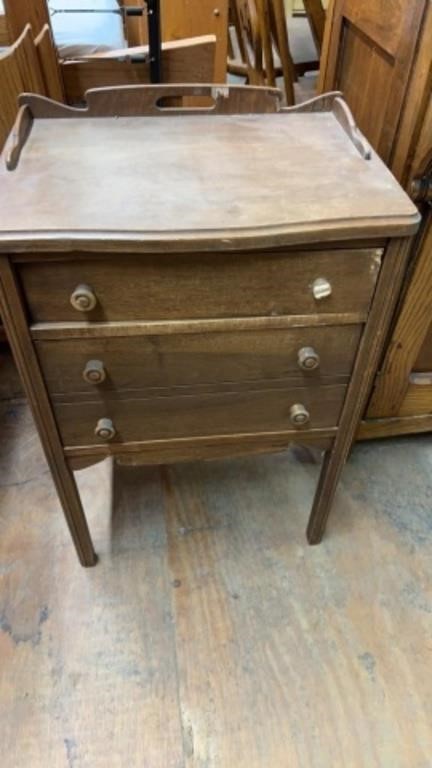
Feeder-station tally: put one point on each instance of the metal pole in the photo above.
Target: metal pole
(125, 11)
(154, 33)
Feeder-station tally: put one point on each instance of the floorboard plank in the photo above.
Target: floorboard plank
(210, 635)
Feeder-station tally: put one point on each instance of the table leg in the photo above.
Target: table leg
(18, 335)
(371, 346)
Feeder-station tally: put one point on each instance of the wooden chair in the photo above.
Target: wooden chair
(184, 61)
(261, 39)
(26, 66)
(261, 44)
(189, 55)
(316, 15)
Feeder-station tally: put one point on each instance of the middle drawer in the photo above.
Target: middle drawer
(106, 364)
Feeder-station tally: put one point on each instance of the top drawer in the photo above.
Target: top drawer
(192, 286)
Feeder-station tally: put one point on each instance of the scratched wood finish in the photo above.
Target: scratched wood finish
(180, 450)
(206, 595)
(197, 359)
(231, 204)
(173, 287)
(90, 329)
(271, 288)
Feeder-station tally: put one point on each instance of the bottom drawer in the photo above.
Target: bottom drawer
(226, 413)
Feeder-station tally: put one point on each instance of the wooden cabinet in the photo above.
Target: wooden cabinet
(380, 55)
(192, 304)
(193, 18)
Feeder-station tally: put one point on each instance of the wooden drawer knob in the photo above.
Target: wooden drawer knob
(321, 288)
(299, 415)
(83, 298)
(94, 372)
(105, 429)
(308, 359)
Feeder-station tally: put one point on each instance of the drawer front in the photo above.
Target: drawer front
(97, 366)
(224, 413)
(173, 287)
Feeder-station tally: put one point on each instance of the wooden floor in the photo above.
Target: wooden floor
(210, 635)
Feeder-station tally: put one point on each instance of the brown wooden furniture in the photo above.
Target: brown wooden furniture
(192, 305)
(19, 13)
(262, 41)
(190, 60)
(317, 16)
(194, 46)
(185, 19)
(5, 36)
(380, 55)
(194, 18)
(262, 44)
(26, 66)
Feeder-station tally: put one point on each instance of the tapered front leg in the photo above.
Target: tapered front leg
(328, 480)
(18, 334)
(74, 513)
(366, 365)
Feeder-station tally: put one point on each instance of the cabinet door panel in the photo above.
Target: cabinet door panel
(410, 330)
(369, 57)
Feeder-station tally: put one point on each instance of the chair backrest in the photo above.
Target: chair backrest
(19, 72)
(27, 66)
(4, 28)
(19, 13)
(262, 41)
(183, 61)
(49, 64)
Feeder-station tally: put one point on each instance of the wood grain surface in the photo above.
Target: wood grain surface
(198, 359)
(368, 54)
(222, 200)
(410, 330)
(202, 286)
(247, 411)
(210, 634)
(185, 61)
